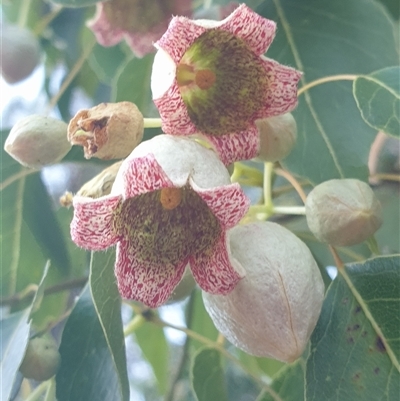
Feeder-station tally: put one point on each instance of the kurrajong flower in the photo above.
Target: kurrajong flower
(211, 78)
(170, 205)
(139, 22)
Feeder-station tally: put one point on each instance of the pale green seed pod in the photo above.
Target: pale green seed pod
(343, 212)
(277, 137)
(37, 141)
(41, 360)
(19, 53)
(273, 310)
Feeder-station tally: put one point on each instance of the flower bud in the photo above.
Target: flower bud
(343, 212)
(19, 53)
(273, 310)
(277, 137)
(107, 131)
(37, 141)
(98, 186)
(41, 360)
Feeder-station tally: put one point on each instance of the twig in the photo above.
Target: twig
(293, 181)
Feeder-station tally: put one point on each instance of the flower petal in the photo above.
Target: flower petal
(105, 34)
(214, 271)
(142, 175)
(282, 91)
(256, 31)
(228, 203)
(180, 34)
(174, 113)
(91, 227)
(151, 284)
(243, 145)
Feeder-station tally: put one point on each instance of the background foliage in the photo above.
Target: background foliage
(350, 91)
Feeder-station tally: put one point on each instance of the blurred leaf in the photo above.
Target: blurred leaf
(132, 83)
(207, 376)
(151, 339)
(39, 216)
(289, 384)
(355, 348)
(75, 3)
(199, 320)
(393, 7)
(14, 334)
(323, 38)
(378, 98)
(106, 61)
(259, 365)
(12, 11)
(93, 365)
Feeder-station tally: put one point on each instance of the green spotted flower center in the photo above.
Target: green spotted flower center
(136, 15)
(168, 225)
(222, 82)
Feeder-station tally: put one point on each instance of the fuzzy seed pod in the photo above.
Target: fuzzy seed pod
(275, 307)
(19, 53)
(343, 212)
(41, 360)
(37, 141)
(277, 137)
(107, 131)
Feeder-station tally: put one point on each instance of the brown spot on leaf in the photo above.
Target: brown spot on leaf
(357, 309)
(380, 345)
(376, 371)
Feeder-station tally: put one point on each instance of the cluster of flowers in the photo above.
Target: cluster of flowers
(170, 205)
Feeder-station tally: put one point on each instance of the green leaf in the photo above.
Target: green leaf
(288, 384)
(152, 342)
(378, 98)
(207, 376)
(324, 38)
(106, 61)
(93, 365)
(355, 348)
(75, 3)
(14, 334)
(132, 84)
(199, 320)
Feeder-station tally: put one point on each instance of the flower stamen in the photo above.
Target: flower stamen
(205, 79)
(170, 198)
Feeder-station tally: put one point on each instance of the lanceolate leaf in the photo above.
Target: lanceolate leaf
(325, 38)
(208, 376)
(93, 365)
(14, 333)
(355, 348)
(378, 98)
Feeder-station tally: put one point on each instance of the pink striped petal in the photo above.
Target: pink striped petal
(174, 114)
(91, 227)
(181, 34)
(256, 31)
(228, 203)
(142, 175)
(243, 145)
(282, 91)
(105, 34)
(213, 270)
(151, 284)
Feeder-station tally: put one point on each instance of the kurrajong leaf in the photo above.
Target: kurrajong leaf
(325, 38)
(355, 348)
(378, 99)
(93, 364)
(207, 376)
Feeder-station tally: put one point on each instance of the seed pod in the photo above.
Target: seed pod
(19, 53)
(277, 137)
(41, 360)
(275, 307)
(107, 131)
(343, 212)
(37, 141)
